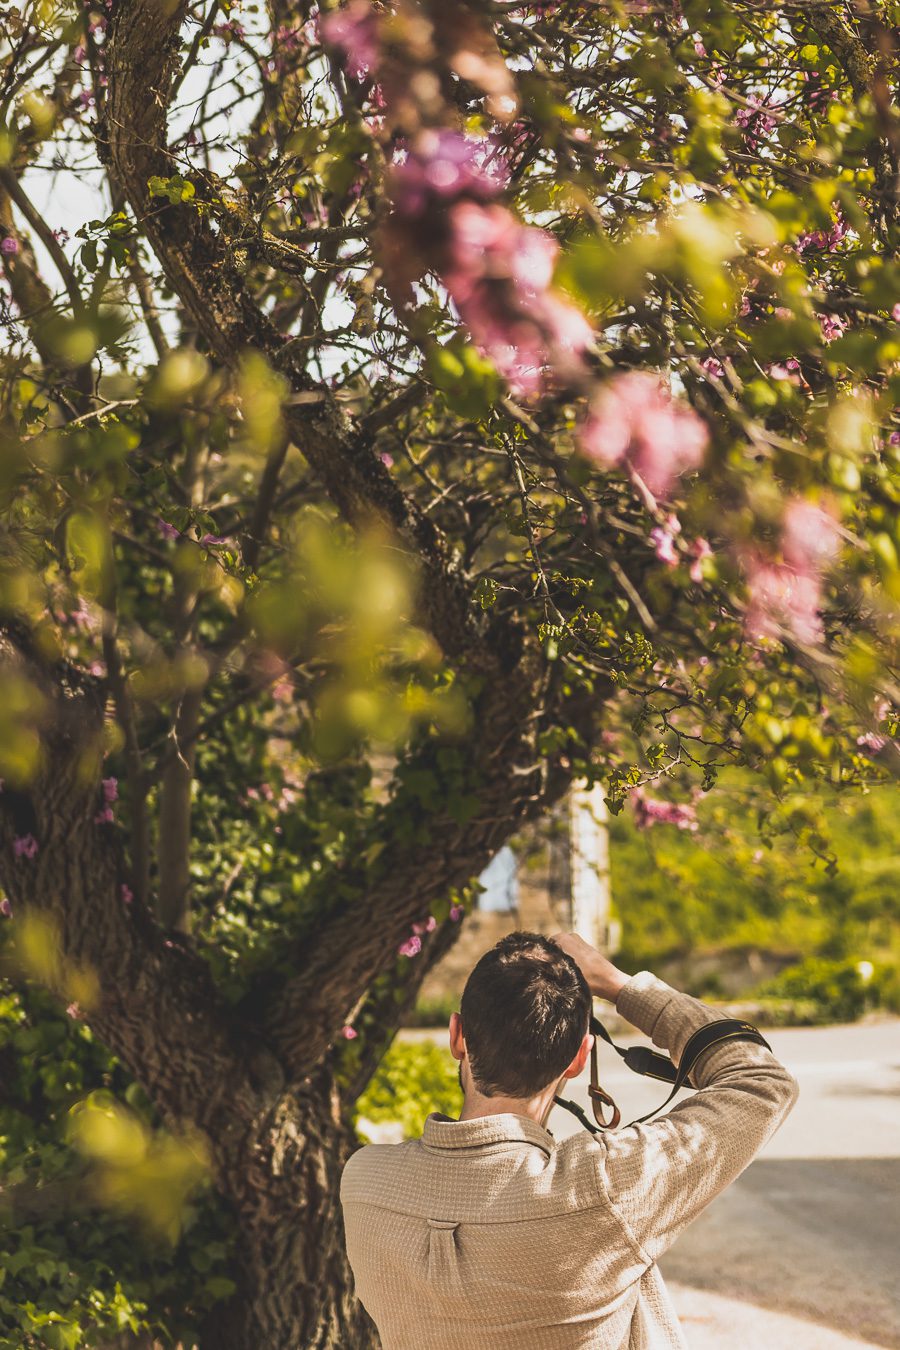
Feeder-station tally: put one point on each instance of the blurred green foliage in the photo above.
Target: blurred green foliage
(748, 877)
(73, 1272)
(413, 1079)
(839, 991)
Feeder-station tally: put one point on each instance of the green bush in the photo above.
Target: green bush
(841, 990)
(433, 1012)
(412, 1080)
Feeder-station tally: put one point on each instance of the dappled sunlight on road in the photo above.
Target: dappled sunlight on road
(712, 1322)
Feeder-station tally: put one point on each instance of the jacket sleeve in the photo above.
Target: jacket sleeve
(660, 1175)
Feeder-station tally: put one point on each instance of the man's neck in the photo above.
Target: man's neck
(535, 1108)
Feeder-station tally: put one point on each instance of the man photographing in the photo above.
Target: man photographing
(486, 1232)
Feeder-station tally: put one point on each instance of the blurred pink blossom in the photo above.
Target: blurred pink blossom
(821, 240)
(25, 846)
(662, 537)
(353, 30)
(411, 947)
(809, 535)
(700, 549)
(653, 811)
(832, 326)
(781, 597)
(634, 420)
(349, 1033)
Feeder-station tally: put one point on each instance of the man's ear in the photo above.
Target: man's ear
(578, 1063)
(457, 1040)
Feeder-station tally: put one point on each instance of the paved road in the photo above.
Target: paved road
(802, 1252)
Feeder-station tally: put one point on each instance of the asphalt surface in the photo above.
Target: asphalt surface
(802, 1252)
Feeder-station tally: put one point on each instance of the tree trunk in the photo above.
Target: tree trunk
(282, 1179)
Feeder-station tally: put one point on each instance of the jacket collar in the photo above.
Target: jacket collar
(442, 1131)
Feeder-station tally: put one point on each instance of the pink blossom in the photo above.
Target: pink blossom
(787, 370)
(75, 1012)
(456, 912)
(5, 908)
(653, 811)
(110, 788)
(427, 927)
(411, 947)
(9, 246)
(822, 240)
(662, 537)
(873, 741)
(25, 846)
(712, 366)
(445, 164)
(498, 274)
(104, 817)
(745, 305)
(780, 596)
(126, 893)
(387, 459)
(832, 326)
(354, 31)
(895, 312)
(700, 549)
(349, 1033)
(756, 121)
(633, 419)
(809, 537)
(166, 530)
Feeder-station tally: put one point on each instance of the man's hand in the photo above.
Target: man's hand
(603, 978)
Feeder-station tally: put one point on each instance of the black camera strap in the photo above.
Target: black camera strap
(651, 1064)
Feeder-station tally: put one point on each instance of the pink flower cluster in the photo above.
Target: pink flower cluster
(634, 421)
(411, 947)
(25, 846)
(875, 741)
(788, 594)
(654, 811)
(354, 32)
(662, 537)
(832, 326)
(756, 121)
(499, 277)
(497, 271)
(110, 788)
(442, 165)
(822, 240)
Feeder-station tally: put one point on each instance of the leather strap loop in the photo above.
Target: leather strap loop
(649, 1063)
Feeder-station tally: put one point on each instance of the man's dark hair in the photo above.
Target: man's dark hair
(525, 1010)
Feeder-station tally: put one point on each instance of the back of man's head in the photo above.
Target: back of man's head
(524, 1011)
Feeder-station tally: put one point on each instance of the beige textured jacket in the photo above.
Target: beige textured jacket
(487, 1233)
